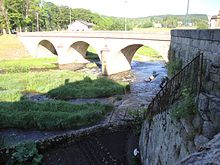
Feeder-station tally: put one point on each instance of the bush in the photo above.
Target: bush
(25, 153)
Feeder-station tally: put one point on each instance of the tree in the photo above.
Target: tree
(5, 24)
(169, 22)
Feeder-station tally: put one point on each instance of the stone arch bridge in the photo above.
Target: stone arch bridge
(114, 48)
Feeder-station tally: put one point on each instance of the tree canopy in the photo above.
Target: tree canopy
(39, 15)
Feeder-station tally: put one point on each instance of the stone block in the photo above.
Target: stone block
(218, 50)
(187, 125)
(197, 122)
(216, 61)
(209, 129)
(195, 43)
(174, 32)
(214, 77)
(214, 47)
(205, 34)
(214, 105)
(206, 45)
(208, 86)
(216, 91)
(200, 141)
(203, 102)
(216, 35)
(202, 45)
(195, 34)
(215, 118)
(213, 69)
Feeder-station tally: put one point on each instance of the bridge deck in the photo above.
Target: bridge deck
(163, 36)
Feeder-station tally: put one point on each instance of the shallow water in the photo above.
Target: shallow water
(140, 96)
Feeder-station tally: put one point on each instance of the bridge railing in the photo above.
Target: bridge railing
(189, 76)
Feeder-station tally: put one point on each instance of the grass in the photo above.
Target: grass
(88, 88)
(185, 107)
(49, 115)
(18, 80)
(91, 54)
(25, 65)
(173, 67)
(12, 48)
(14, 85)
(146, 53)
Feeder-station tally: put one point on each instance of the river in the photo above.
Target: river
(141, 93)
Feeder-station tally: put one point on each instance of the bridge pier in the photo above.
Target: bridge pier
(104, 53)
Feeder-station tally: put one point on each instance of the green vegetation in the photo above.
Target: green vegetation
(91, 54)
(49, 115)
(88, 88)
(25, 65)
(19, 81)
(11, 48)
(13, 18)
(174, 67)
(59, 82)
(25, 153)
(147, 51)
(185, 107)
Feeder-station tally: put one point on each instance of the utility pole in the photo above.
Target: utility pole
(70, 16)
(125, 19)
(187, 14)
(37, 15)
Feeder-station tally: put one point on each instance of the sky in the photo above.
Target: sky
(143, 8)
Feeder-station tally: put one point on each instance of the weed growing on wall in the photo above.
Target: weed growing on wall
(185, 107)
(173, 67)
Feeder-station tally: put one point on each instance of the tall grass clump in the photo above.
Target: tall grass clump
(88, 88)
(50, 115)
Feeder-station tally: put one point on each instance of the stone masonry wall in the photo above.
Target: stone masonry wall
(184, 137)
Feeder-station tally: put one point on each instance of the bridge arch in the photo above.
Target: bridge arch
(46, 49)
(129, 51)
(76, 52)
(120, 60)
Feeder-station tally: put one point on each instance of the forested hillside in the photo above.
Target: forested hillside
(38, 15)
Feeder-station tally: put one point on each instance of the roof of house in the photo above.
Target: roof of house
(84, 22)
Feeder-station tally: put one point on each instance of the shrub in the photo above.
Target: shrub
(25, 153)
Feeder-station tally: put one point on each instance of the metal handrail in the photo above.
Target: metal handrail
(190, 75)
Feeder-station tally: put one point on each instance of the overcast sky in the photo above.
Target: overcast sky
(143, 8)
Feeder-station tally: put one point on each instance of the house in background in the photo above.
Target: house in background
(157, 25)
(80, 25)
(215, 21)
